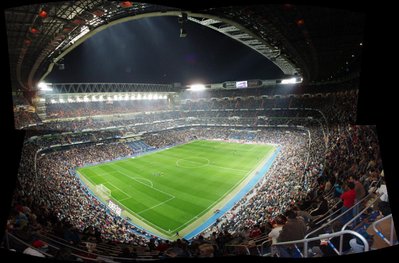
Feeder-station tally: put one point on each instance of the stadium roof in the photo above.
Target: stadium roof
(317, 43)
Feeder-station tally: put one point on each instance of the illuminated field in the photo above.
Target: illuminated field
(178, 188)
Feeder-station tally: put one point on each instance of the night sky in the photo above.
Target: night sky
(150, 50)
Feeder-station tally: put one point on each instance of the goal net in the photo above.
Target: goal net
(103, 191)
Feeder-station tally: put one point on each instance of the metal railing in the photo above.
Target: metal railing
(391, 230)
(359, 214)
(372, 184)
(9, 235)
(268, 240)
(350, 210)
(341, 240)
(327, 215)
(74, 250)
(305, 241)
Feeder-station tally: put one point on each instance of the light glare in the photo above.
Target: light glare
(197, 87)
(44, 86)
(288, 81)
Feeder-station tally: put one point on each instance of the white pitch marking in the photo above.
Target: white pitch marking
(143, 183)
(155, 205)
(119, 189)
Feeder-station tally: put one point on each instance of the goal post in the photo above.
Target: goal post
(103, 191)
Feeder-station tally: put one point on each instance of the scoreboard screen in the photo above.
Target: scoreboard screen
(241, 84)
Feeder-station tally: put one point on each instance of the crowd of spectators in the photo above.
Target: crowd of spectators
(81, 109)
(61, 202)
(321, 155)
(338, 107)
(24, 118)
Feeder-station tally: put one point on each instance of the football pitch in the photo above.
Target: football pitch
(177, 189)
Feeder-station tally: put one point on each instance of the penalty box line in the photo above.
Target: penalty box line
(152, 207)
(152, 187)
(120, 190)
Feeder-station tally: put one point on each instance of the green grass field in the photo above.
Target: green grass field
(177, 189)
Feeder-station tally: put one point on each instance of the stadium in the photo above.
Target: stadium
(146, 169)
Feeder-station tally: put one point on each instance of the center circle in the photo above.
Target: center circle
(192, 162)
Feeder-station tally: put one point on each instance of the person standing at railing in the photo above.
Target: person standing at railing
(338, 190)
(360, 193)
(274, 234)
(383, 202)
(294, 229)
(277, 225)
(348, 198)
(382, 192)
(322, 207)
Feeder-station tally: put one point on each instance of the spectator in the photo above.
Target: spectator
(294, 229)
(275, 233)
(360, 193)
(338, 190)
(348, 198)
(322, 207)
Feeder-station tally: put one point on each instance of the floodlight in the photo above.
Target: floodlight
(197, 87)
(44, 86)
(288, 81)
